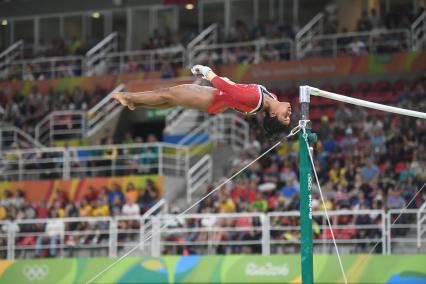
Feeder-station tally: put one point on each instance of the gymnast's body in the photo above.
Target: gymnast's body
(246, 98)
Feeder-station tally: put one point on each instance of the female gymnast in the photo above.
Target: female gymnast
(245, 98)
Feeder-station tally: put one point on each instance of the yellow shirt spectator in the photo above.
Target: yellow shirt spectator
(338, 176)
(61, 213)
(86, 211)
(227, 206)
(3, 213)
(101, 211)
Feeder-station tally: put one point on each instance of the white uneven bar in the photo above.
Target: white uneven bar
(329, 95)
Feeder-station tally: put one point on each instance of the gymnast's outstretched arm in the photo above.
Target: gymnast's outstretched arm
(187, 95)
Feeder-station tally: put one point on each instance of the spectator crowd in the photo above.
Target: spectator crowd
(45, 236)
(25, 111)
(363, 161)
(262, 42)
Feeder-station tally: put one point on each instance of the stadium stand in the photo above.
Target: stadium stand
(104, 189)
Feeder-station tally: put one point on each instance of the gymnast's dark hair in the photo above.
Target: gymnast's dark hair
(274, 129)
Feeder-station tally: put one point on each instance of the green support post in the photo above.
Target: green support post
(305, 176)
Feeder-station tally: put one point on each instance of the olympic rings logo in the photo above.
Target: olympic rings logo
(35, 272)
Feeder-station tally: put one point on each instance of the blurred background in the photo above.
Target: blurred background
(83, 180)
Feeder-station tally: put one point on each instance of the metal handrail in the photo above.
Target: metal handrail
(334, 38)
(96, 53)
(17, 132)
(100, 44)
(360, 34)
(154, 229)
(17, 44)
(318, 17)
(170, 159)
(103, 112)
(212, 29)
(420, 221)
(418, 31)
(256, 44)
(312, 28)
(47, 129)
(199, 175)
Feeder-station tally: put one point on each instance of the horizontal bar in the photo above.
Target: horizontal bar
(333, 96)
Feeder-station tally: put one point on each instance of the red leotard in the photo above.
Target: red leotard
(246, 98)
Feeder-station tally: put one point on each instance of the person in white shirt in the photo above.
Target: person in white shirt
(53, 231)
(130, 208)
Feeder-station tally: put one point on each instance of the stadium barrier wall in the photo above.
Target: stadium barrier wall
(360, 269)
(312, 68)
(76, 188)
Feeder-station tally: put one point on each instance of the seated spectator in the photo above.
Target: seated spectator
(369, 171)
(374, 19)
(130, 208)
(115, 193)
(131, 193)
(290, 189)
(394, 199)
(148, 196)
(364, 23)
(259, 204)
(226, 204)
(91, 195)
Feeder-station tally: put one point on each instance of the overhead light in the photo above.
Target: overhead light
(4, 22)
(96, 15)
(189, 6)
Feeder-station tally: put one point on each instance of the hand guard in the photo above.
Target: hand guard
(200, 70)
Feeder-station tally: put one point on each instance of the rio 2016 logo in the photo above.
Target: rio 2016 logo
(310, 195)
(35, 272)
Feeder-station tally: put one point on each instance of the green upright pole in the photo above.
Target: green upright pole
(305, 194)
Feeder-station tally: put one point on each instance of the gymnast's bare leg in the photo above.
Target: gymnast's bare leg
(191, 96)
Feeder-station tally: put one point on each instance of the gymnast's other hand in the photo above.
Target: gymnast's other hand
(123, 99)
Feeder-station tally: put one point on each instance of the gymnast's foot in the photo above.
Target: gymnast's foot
(124, 100)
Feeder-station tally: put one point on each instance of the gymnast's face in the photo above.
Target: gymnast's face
(283, 113)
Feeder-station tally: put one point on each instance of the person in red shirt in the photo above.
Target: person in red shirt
(224, 94)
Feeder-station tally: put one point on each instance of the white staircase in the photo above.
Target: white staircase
(304, 37)
(97, 57)
(207, 37)
(418, 32)
(8, 56)
(181, 121)
(218, 130)
(61, 125)
(105, 110)
(13, 137)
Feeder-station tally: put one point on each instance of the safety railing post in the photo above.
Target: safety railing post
(142, 238)
(10, 241)
(383, 215)
(418, 230)
(112, 244)
(156, 237)
(334, 47)
(160, 159)
(66, 164)
(51, 129)
(266, 250)
(62, 240)
(388, 233)
(20, 166)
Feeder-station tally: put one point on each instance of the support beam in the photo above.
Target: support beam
(306, 248)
